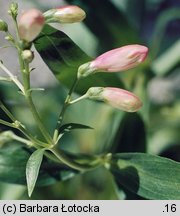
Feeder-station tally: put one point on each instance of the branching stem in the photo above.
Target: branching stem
(64, 108)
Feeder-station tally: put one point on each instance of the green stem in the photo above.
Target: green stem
(52, 157)
(22, 140)
(23, 131)
(25, 90)
(38, 120)
(26, 80)
(8, 113)
(33, 139)
(12, 77)
(66, 103)
(19, 127)
(7, 123)
(17, 29)
(68, 161)
(78, 99)
(63, 110)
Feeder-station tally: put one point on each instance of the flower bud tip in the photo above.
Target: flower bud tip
(13, 10)
(30, 24)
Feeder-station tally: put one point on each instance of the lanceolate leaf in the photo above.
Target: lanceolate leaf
(71, 126)
(151, 177)
(32, 169)
(13, 160)
(63, 57)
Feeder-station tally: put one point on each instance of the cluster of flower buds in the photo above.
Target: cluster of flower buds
(13, 10)
(32, 21)
(115, 60)
(124, 58)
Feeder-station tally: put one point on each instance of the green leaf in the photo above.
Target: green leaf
(32, 169)
(71, 126)
(107, 23)
(161, 24)
(63, 57)
(13, 160)
(167, 60)
(149, 176)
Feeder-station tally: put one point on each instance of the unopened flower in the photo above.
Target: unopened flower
(30, 24)
(116, 97)
(65, 14)
(9, 38)
(120, 59)
(13, 9)
(3, 26)
(27, 55)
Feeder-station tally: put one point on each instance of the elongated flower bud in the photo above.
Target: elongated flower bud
(30, 24)
(66, 14)
(117, 98)
(120, 59)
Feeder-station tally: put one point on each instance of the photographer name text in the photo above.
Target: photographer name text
(62, 208)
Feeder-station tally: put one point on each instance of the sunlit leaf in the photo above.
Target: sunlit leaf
(63, 57)
(32, 169)
(108, 23)
(163, 20)
(167, 60)
(149, 176)
(13, 160)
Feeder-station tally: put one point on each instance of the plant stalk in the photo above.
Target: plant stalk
(64, 108)
(70, 163)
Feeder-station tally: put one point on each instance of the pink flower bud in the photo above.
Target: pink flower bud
(120, 59)
(30, 24)
(65, 14)
(117, 98)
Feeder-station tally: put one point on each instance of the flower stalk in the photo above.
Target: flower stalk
(25, 71)
(63, 110)
(12, 77)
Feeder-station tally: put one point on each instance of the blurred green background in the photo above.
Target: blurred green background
(154, 129)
